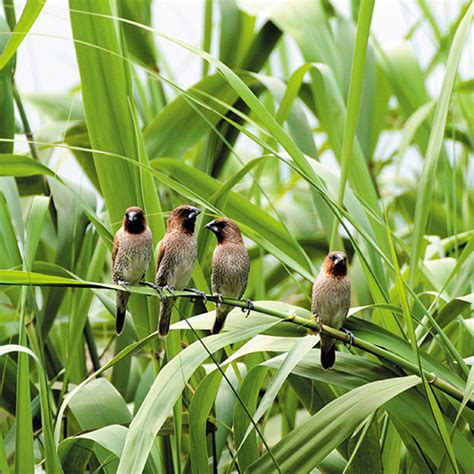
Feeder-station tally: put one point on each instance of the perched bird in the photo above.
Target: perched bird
(331, 301)
(130, 258)
(230, 266)
(176, 256)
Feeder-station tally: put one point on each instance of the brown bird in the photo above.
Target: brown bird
(176, 257)
(130, 258)
(230, 267)
(331, 301)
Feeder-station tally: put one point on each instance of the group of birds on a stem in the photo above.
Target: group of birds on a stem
(177, 252)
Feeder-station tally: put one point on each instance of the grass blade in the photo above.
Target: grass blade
(425, 189)
(28, 16)
(306, 446)
(355, 99)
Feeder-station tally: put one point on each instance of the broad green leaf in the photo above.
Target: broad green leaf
(298, 351)
(303, 448)
(99, 405)
(165, 391)
(20, 166)
(249, 392)
(106, 91)
(105, 443)
(199, 410)
(139, 44)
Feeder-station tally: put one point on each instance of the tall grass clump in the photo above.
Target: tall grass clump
(313, 136)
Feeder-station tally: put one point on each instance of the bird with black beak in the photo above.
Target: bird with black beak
(331, 301)
(176, 257)
(130, 258)
(230, 267)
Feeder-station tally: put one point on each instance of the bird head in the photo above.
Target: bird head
(225, 230)
(335, 264)
(134, 220)
(184, 218)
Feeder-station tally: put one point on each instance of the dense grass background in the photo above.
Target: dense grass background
(348, 149)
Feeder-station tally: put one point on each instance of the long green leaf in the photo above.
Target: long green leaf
(165, 391)
(28, 16)
(305, 447)
(106, 91)
(425, 190)
(52, 462)
(355, 96)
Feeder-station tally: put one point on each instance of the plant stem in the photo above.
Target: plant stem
(91, 346)
(31, 144)
(408, 366)
(25, 122)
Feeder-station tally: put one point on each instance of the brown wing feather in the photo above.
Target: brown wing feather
(115, 249)
(161, 253)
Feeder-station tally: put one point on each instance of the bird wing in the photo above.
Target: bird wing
(115, 249)
(161, 253)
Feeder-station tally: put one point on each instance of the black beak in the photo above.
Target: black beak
(339, 259)
(212, 227)
(194, 213)
(132, 216)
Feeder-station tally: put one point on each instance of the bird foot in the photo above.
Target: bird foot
(248, 308)
(161, 291)
(124, 285)
(318, 320)
(202, 294)
(351, 336)
(171, 289)
(218, 297)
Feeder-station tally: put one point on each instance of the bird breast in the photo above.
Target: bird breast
(331, 299)
(176, 268)
(133, 256)
(230, 268)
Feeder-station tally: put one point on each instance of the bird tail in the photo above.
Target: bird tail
(221, 314)
(328, 352)
(121, 301)
(166, 306)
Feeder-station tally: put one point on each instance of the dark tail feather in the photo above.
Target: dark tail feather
(328, 352)
(166, 307)
(221, 315)
(121, 301)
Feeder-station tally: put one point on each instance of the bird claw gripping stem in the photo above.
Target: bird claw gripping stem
(161, 293)
(169, 289)
(248, 308)
(218, 298)
(124, 285)
(318, 320)
(202, 294)
(351, 336)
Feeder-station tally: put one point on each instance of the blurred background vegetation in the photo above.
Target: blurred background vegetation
(311, 133)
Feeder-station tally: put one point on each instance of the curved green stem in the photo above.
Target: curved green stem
(408, 366)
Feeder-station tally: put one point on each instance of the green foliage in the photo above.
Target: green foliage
(345, 146)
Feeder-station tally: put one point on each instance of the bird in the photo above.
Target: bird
(176, 257)
(130, 258)
(331, 301)
(230, 267)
